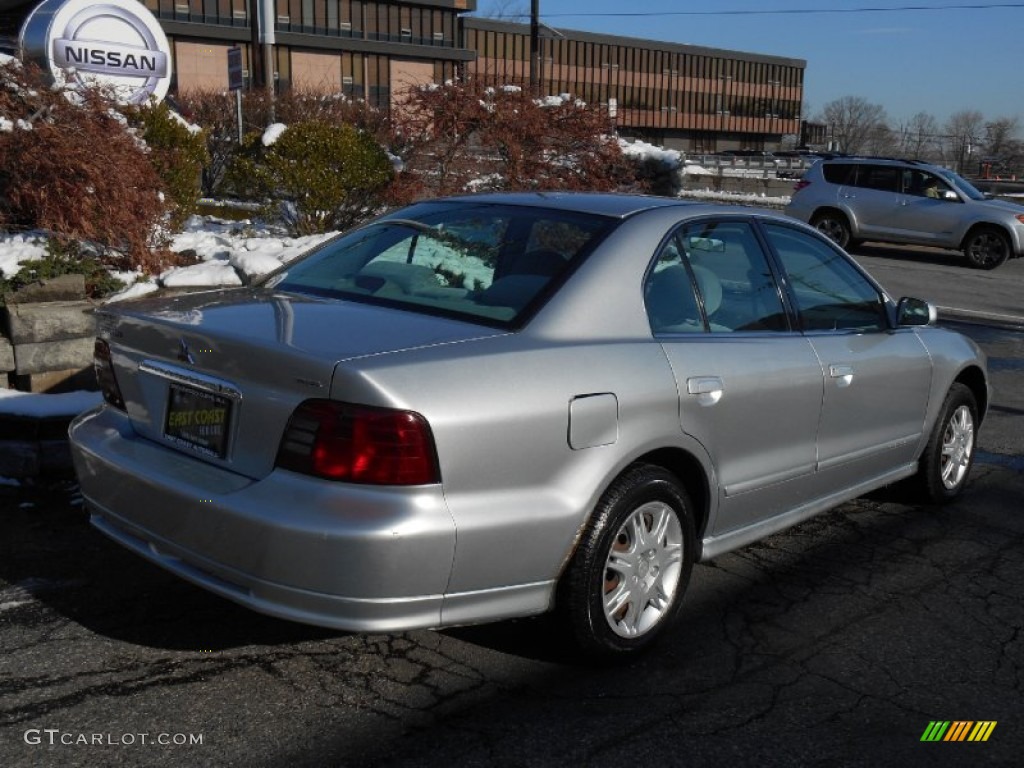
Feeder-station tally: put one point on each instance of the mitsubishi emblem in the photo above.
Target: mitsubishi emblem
(184, 354)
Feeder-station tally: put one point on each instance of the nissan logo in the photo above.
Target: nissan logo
(116, 44)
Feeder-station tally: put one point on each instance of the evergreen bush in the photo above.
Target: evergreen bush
(178, 154)
(329, 176)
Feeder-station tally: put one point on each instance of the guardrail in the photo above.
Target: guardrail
(753, 167)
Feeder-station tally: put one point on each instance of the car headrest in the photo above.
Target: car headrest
(710, 288)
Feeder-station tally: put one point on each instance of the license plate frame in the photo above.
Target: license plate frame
(198, 420)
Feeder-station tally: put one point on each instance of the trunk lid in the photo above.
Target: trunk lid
(217, 374)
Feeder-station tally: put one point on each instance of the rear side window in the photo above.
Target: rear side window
(713, 276)
(885, 178)
(838, 173)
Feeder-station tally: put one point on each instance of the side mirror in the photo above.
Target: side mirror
(911, 311)
(949, 194)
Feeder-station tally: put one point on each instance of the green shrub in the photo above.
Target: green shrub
(64, 258)
(329, 176)
(178, 155)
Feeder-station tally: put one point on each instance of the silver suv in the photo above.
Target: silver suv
(904, 201)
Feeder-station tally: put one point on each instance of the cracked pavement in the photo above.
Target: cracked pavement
(835, 642)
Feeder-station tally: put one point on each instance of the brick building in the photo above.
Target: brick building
(689, 97)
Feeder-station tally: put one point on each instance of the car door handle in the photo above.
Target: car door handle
(708, 389)
(844, 374)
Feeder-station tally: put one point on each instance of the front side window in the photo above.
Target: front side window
(491, 263)
(712, 275)
(924, 184)
(830, 293)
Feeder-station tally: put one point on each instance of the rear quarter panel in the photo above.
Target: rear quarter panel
(499, 410)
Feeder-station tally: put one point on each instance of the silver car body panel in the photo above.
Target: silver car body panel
(530, 427)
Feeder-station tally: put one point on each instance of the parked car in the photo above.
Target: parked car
(853, 199)
(493, 406)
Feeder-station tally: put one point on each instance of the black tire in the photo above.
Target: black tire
(835, 227)
(625, 583)
(947, 459)
(987, 247)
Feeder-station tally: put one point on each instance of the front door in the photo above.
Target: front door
(877, 379)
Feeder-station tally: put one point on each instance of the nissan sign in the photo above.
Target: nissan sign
(113, 44)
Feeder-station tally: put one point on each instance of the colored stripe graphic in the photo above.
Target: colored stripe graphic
(935, 731)
(958, 730)
(982, 730)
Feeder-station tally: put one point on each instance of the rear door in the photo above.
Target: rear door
(750, 388)
(873, 199)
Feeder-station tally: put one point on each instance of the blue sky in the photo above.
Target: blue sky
(908, 61)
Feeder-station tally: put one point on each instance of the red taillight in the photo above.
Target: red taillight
(104, 369)
(359, 444)
(800, 185)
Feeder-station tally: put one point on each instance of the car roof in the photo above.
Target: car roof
(617, 205)
(868, 159)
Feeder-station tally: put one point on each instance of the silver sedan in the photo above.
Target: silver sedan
(494, 406)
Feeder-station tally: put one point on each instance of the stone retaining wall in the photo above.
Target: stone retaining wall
(48, 333)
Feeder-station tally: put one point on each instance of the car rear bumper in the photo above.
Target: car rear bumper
(359, 558)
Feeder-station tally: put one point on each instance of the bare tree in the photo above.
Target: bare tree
(512, 10)
(854, 123)
(965, 130)
(919, 137)
(1004, 150)
(881, 140)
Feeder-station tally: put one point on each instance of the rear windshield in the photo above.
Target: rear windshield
(489, 263)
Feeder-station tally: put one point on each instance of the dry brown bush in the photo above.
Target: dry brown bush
(466, 135)
(69, 165)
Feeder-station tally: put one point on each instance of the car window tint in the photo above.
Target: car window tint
(837, 173)
(830, 293)
(727, 272)
(923, 184)
(881, 177)
(669, 294)
(489, 262)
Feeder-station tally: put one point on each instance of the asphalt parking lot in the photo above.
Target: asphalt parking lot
(942, 277)
(838, 642)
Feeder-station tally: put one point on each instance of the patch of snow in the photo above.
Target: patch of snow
(134, 291)
(17, 249)
(207, 273)
(273, 133)
(559, 100)
(641, 150)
